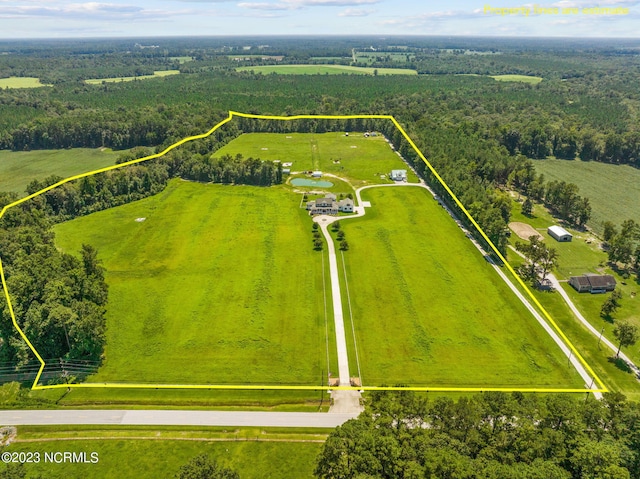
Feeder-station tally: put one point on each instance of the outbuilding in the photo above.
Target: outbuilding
(593, 283)
(398, 175)
(559, 233)
(316, 174)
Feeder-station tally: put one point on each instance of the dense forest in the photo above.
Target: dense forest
(488, 436)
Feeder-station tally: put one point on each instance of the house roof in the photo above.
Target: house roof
(601, 280)
(558, 231)
(346, 201)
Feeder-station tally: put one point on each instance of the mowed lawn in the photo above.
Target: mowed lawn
(360, 159)
(19, 168)
(613, 190)
(430, 311)
(219, 285)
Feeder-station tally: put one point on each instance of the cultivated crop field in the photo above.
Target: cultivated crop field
(360, 159)
(218, 285)
(429, 310)
(613, 190)
(325, 69)
(18, 168)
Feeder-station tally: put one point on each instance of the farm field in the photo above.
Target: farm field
(205, 290)
(157, 74)
(325, 69)
(19, 168)
(518, 78)
(361, 160)
(613, 190)
(431, 311)
(144, 458)
(21, 82)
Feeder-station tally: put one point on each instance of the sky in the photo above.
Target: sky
(143, 18)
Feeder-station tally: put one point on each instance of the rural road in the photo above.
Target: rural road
(173, 418)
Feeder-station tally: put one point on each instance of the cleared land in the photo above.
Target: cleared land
(524, 231)
(21, 82)
(219, 285)
(613, 190)
(355, 157)
(156, 74)
(18, 168)
(429, 310)
(519, 78)
(325, 69)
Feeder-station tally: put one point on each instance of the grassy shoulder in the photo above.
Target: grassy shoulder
(359, 159)
(18, 168)
(429, 310)
(218, 285)
(252, 453)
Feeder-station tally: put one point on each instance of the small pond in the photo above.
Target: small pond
(312, 183)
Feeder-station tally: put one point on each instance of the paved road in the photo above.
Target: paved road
(174, 418)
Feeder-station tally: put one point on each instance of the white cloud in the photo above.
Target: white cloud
(355, 12)
(87, 10)
(299, 4)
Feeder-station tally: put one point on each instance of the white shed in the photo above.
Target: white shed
(559, 233)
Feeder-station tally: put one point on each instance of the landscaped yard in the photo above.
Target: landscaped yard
(430, 311)
(18, 168)
(218, 285)
(360, 159)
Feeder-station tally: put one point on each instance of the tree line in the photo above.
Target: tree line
(489, 436)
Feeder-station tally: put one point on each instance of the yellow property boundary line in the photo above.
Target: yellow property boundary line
(600, 389)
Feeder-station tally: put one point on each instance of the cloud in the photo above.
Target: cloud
(87, 10)
(299, 4)
(355, 12)
(415, 21)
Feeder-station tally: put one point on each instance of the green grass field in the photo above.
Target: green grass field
(219, 285)
(18, 168)
(518, 78)
(357, 158)
(613, 190)
(161, 458)
(21, 82)
(429, 310)
(156, 74)
(325, 69)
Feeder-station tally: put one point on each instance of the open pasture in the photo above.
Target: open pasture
(21, 82)
(325, 70)
(218, 285)
(518, 78)
(429, 310)
(361, 160)
(18, 168)
(613, 190)
(156, 74)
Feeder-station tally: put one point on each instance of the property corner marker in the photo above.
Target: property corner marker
(35, 386)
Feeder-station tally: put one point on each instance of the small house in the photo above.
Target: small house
(316, 174)
(559, 234)
(593, 283)
(398, 175)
